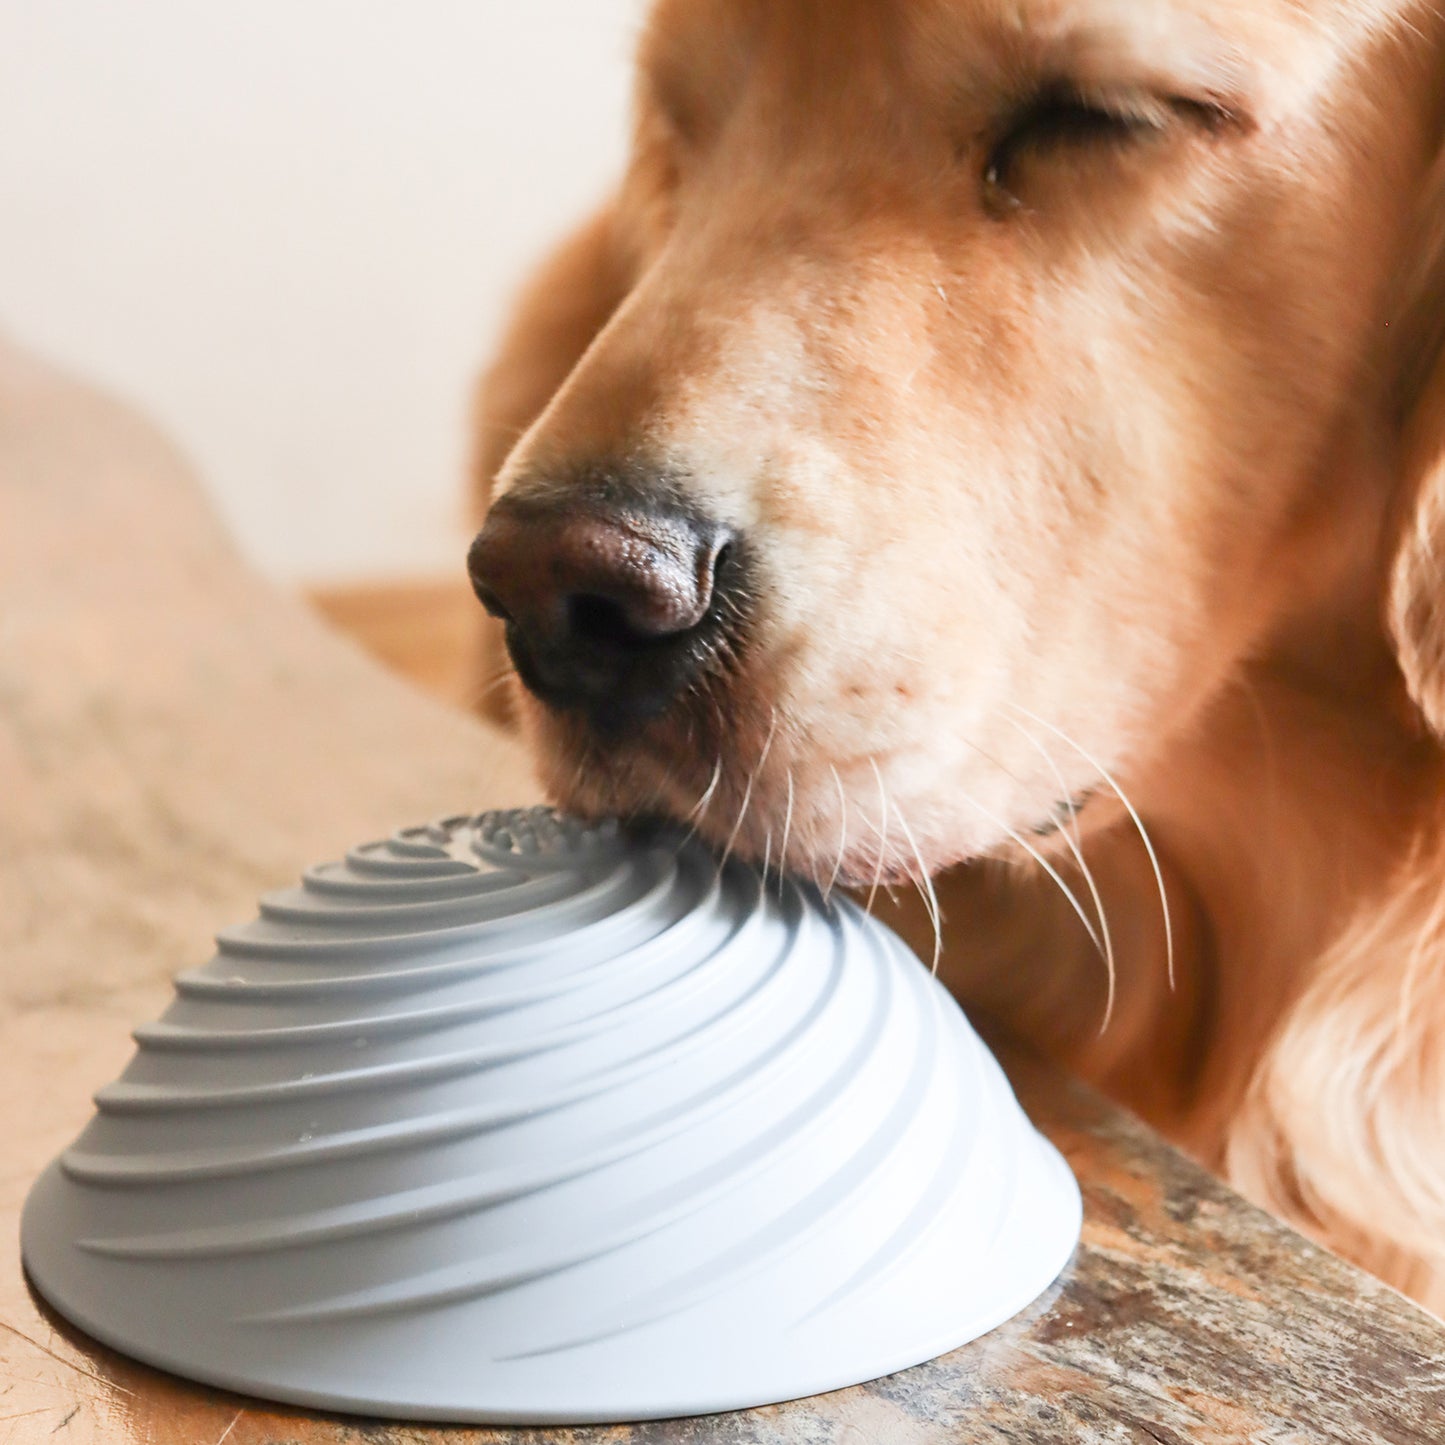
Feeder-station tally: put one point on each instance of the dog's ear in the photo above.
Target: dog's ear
(1415, 605)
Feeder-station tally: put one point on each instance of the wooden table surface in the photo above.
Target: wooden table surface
(1186, 1315)
(175, 735)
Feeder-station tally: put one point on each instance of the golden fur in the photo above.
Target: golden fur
(1076, 445)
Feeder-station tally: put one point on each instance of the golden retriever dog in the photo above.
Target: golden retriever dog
(1002, 442)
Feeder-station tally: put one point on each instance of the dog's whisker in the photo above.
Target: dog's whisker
(665, 786)
(485, 689)
(1071, 811)
(768, 741)
(1138, 824)
(748, 791)
(926, 891)
(738, 821)
(1043, 863)
(842, 833)
(992, 761)
(882, 831)
(700, 807)
(501, 674)
(1073, 840)
(787, 825)
(706, 684)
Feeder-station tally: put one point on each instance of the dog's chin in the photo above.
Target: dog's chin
(677, 768)
(652, 768)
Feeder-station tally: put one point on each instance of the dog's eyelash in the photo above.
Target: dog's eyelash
(1059, 118)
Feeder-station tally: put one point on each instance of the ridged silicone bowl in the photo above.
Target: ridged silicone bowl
(514, 1120)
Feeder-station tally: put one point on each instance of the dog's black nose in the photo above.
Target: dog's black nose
(609, 606)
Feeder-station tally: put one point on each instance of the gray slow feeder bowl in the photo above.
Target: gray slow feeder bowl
(511, 1119)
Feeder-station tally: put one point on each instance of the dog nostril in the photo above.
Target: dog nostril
(609, 605)
(600, 619)
(721, 558)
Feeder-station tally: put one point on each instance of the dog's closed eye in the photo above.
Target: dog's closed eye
(1061, 123)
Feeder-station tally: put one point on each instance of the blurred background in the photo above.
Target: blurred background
(290, 231)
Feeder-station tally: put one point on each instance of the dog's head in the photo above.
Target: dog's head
(984, 375)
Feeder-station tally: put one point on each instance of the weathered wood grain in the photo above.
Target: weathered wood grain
(174, 736)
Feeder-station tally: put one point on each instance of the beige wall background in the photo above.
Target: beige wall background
(289, 228)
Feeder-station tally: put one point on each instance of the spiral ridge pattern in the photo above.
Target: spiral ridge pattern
(511, 1117)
